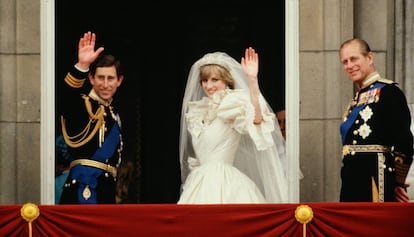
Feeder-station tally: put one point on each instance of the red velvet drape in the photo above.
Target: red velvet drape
(329, 219)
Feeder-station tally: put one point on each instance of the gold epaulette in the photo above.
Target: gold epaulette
(73, 81)
(386, 81)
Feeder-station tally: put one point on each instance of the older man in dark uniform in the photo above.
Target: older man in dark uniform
(91, 127)
(376, 136)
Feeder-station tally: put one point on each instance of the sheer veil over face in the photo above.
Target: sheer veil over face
(267, 168)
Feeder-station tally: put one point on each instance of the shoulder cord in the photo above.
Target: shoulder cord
(82, 138)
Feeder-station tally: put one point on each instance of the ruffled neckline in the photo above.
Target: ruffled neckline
(206, 108)
(202, 112)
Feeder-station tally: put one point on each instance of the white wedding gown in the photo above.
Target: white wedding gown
(216, 127)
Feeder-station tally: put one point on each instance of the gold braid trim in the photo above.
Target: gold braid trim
(73, 81)
(401, 170)
(84, 136)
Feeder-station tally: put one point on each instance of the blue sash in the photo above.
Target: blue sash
(346, 125)
(86, 175)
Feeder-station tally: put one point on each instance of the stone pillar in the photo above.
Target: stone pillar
(404, 61)
(19, 101)
(324, 94)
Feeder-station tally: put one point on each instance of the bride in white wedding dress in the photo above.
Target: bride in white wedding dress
(231, 147)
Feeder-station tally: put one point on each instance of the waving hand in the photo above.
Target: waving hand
(86, 50)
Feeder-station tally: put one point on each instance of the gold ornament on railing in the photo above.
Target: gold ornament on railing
(304, 215)
(30, 212)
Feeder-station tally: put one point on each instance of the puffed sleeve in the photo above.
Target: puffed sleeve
(237, 109)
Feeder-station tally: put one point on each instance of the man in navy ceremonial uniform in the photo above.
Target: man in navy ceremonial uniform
(376, 136)
(91, 126)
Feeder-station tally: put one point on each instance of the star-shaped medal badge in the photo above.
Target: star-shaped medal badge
(364, 130)
(366, 113)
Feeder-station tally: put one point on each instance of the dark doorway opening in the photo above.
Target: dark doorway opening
(157, 44)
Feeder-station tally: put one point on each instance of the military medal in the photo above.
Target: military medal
(86, 192)
(364, 130)
(370, 96)
(366, 113)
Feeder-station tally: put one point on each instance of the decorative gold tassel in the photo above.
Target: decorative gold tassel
(303, 215)
(30, 212)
